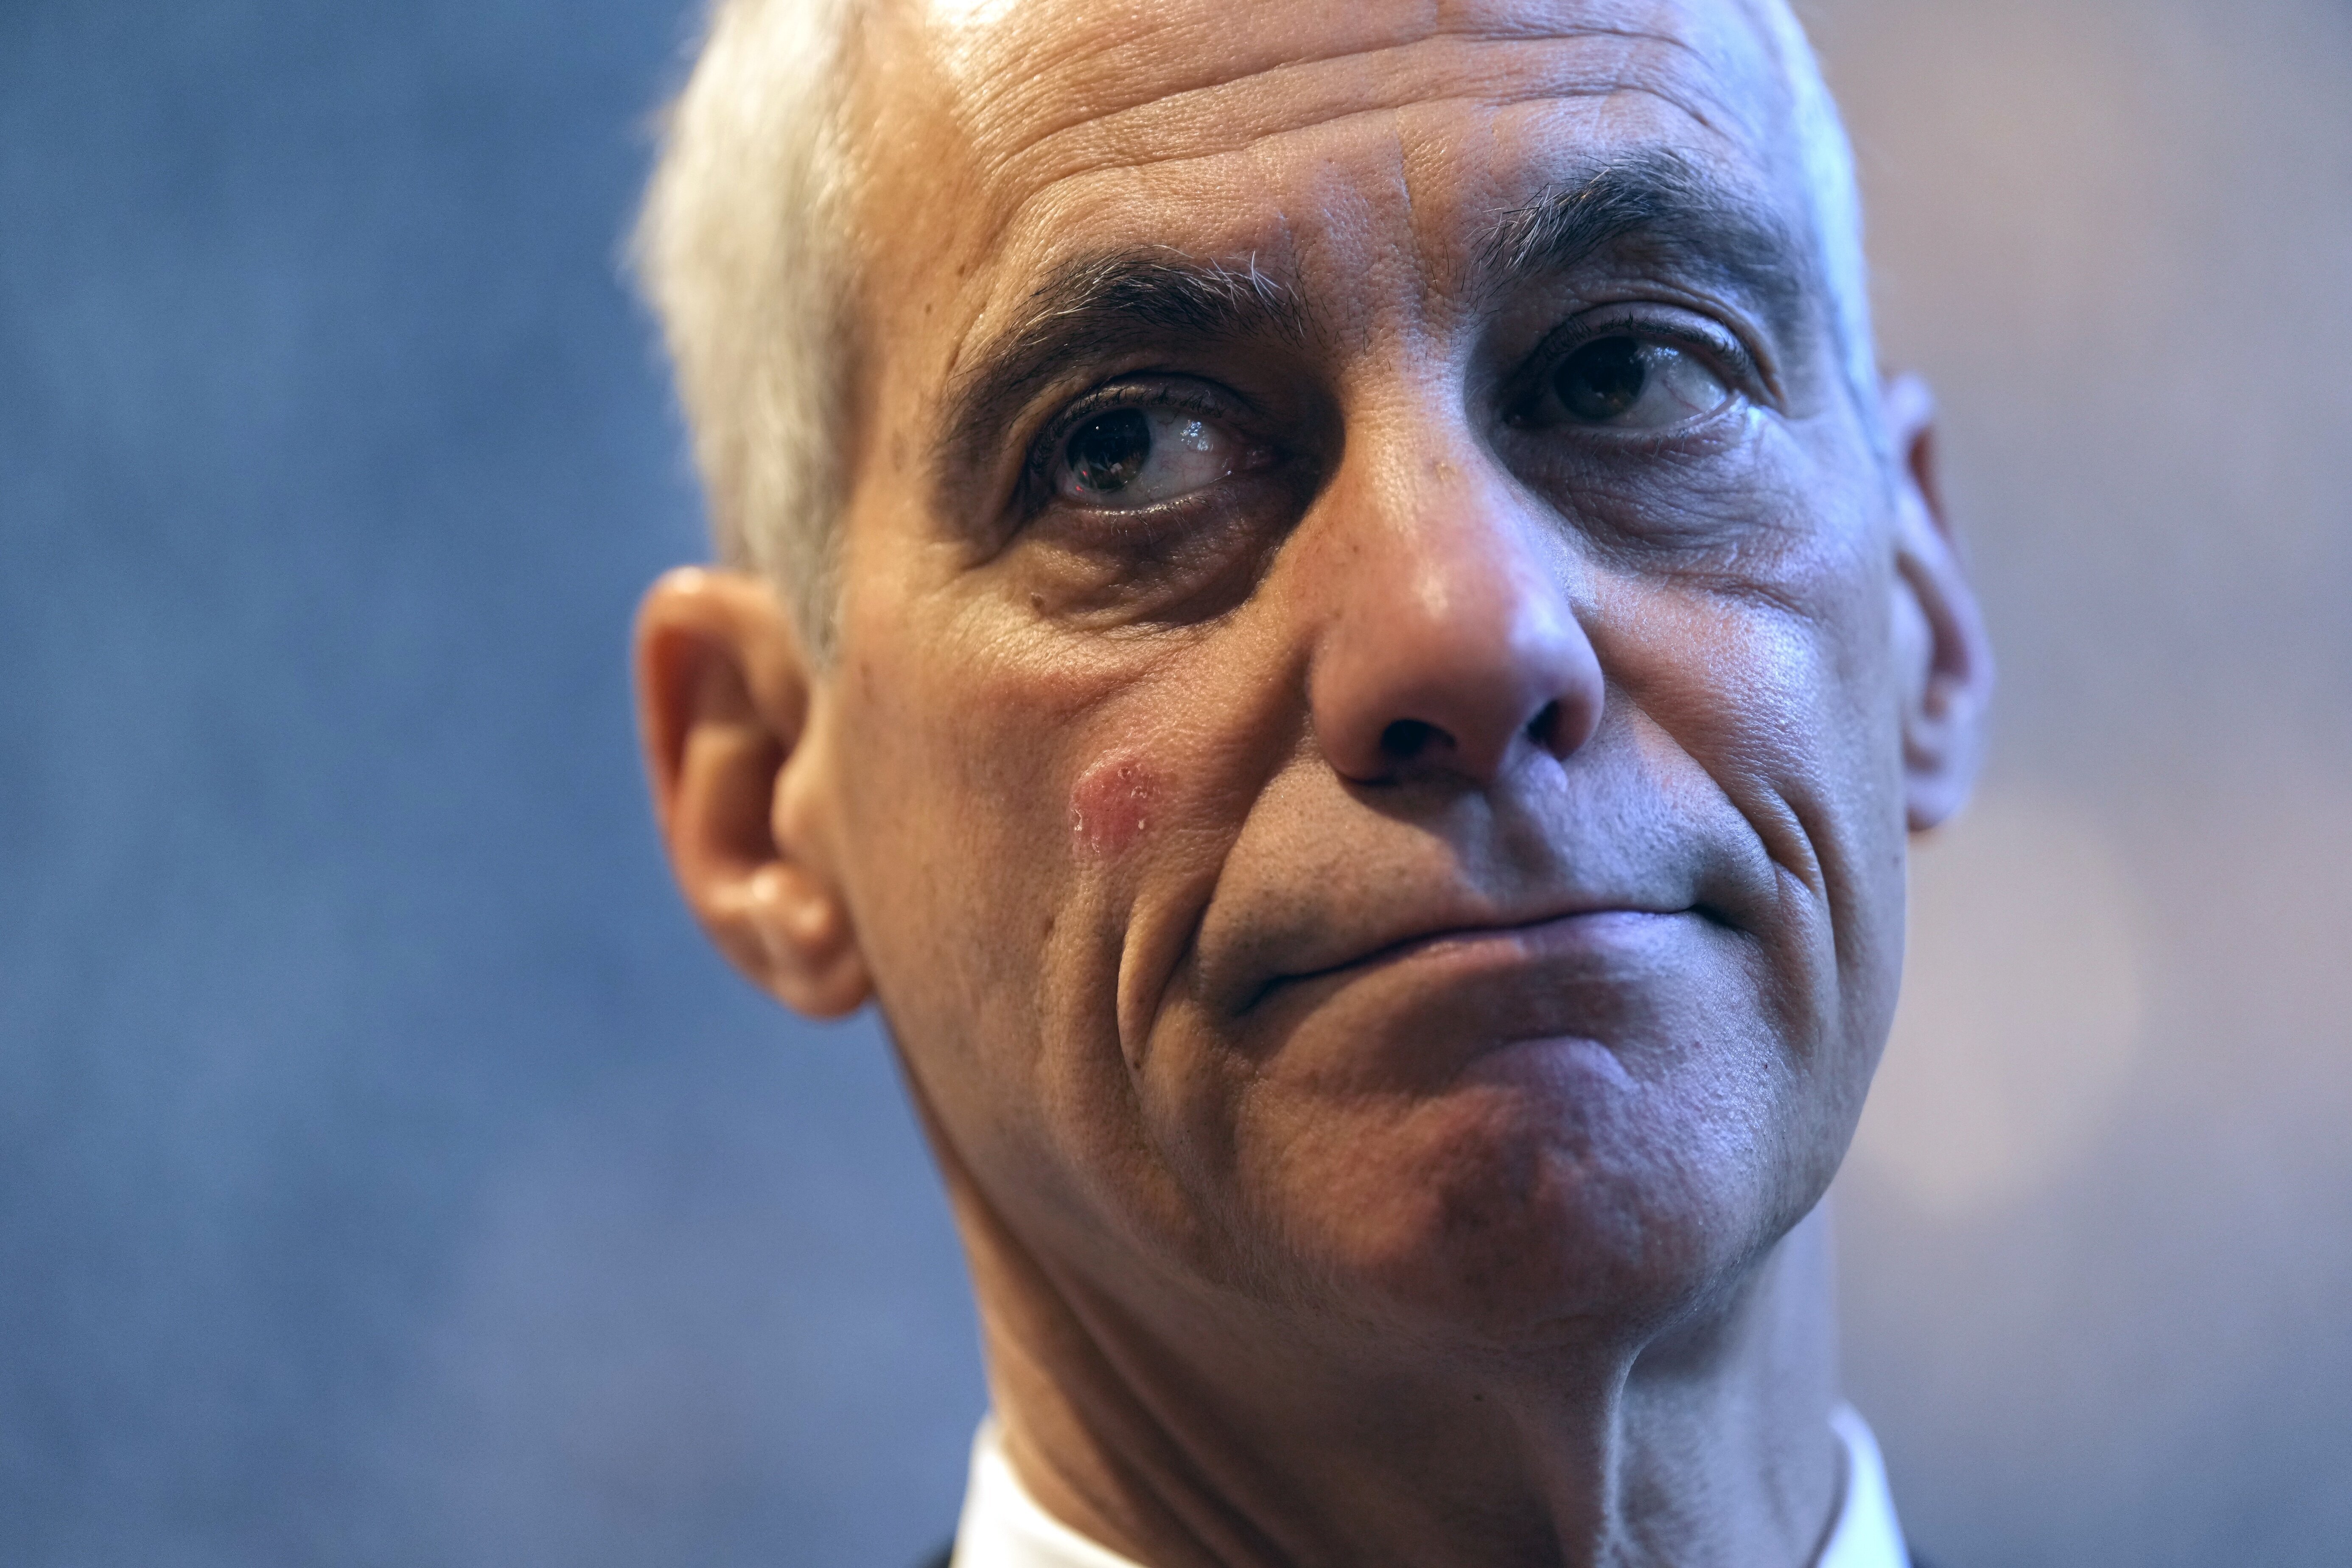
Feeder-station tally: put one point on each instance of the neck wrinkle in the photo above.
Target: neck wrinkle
(1701, 1454)
(1094, 1437)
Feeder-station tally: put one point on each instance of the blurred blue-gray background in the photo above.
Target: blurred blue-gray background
(388, 1173)
(389, 1176)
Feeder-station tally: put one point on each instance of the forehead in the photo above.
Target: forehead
(1015, 135)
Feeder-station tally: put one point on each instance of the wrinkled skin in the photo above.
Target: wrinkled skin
(1388, 937)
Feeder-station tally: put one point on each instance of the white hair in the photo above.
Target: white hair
(1835, 195)
(744, 249)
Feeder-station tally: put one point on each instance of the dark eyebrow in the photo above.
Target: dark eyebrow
(1658, 201)
(1095, 307)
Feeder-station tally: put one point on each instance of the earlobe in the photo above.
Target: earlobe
(725, 699)
(1948, 677)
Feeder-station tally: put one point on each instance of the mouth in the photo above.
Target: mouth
(1593, 931)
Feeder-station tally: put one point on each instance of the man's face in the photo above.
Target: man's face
(1365, 752)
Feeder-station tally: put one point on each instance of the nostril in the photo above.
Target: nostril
(1544, 728)
(1407, 739)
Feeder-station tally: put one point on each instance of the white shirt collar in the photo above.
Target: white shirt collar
(1867, 1533)
(1003, 1527)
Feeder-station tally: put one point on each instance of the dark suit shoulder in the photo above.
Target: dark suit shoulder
(946, 1554)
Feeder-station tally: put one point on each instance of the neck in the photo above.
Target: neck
(1186, 1432)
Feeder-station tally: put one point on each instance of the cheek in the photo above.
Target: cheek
(1110, 805)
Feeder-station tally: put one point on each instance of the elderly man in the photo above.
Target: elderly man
(1325, 605)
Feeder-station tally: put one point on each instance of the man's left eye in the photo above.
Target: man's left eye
(1627, 384)
(1126, 459)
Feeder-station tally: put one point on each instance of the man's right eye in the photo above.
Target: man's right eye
(1126, 459)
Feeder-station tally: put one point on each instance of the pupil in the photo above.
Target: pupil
(1602, 380)
(1108, 453)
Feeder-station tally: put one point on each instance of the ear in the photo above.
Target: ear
(1948, 670)
(724, 698)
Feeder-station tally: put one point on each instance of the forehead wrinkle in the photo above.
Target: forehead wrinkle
(1548, 93)
(1278, 64)
(1293, 97)
(993, 243)
(1498, 67)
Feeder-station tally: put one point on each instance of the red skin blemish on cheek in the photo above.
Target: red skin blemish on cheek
(1110, 805)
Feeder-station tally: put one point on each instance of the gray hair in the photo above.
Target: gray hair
(1834, 195)
(744, 249)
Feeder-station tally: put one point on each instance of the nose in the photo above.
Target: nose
(1450, 647)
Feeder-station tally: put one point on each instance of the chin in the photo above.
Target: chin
(1546, 1197)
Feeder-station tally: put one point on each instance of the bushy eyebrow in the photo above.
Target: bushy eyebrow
(1094, 308)
(1657, 201)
